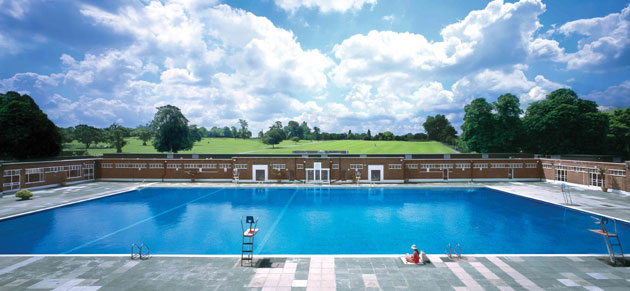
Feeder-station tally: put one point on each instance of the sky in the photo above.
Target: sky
(337, 64)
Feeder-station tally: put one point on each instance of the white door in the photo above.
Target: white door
(259, 173)
(317, 175)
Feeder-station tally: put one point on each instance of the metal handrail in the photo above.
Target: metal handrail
(458, 248)
(448, 250)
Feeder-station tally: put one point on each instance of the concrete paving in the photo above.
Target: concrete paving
(314, 272)
(311, 273)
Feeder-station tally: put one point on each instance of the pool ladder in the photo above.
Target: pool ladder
(449, 250)
(566, 194)
(141, 253)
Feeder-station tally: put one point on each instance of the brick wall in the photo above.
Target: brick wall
(390, 168)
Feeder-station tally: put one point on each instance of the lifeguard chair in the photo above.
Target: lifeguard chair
(357, 174)
(235, 175)
(247, 249)
(608, 238)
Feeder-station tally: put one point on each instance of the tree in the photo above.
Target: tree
(306, 131)
(295, 139)
(171, 130)
(234, 132)
(245, 133)
(562, 123)
(440, 129)
(116, 136)
(478, 128)
(293, 129)
(87, 135)
(25, 131)
(67, 134)
(194, 133)
(619, 132)
(369, 135)
(508, 130)
(261, 134)
(144, 134)
(316, 134)
(273, 137)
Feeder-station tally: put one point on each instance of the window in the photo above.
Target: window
(335, 166)
(11, 179)
(278, 166)
(547, 166)
(106, 165)
(55, 169)
(498, 165)
(121, 166)
(530, 165)
(299, 166)
(34, 175)
(436, 166)
(356, 166)
(462, 166)
(191, 166)
(577, 169)
(225, 166)
(156, 166)
(561, 168)
(412, 166)
(212, 166)
(395, 166)
(240, 166)
(74, 171)
(481, 166)
(173, 166)
(621, 173)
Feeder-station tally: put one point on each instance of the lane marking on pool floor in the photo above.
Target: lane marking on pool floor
(275, 223)
(140, 222)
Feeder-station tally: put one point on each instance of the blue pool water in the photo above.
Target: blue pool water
(307, 221)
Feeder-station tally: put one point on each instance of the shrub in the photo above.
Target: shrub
(24, 194)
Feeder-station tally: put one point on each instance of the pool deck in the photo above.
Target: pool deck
(487, 272)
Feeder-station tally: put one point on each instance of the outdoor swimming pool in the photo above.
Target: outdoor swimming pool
(307, 221)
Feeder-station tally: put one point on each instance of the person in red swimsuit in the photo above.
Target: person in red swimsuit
(415, 257)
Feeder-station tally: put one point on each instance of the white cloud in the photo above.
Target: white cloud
(606, 44)
(499, 35)
(15, 8)
(389, 18)
(324, 6)
(613, 96)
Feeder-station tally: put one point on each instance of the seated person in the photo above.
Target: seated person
(416, 257)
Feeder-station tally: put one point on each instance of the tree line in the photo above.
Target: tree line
(562, 123)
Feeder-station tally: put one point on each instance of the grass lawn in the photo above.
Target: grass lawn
(229, 145)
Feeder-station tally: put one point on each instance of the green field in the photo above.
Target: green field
(229, 145)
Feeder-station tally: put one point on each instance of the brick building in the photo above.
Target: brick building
(314, 168)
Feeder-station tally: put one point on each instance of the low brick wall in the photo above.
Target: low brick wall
(334, 168)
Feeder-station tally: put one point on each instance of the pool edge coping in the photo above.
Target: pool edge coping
(558, 204)
(111, 193)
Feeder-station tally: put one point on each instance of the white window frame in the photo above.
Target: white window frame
(74, 168)
(412, 166)
(480, 166)
(335, 166)
(462, 166)
(37, 173)
(225, 166)
(156, 166)
(531, 166)
(547, 166)
(356, 166)
(278, 167)
(395, 166)
(618, 173)
(299, 166)
(107, 165)
(174, 166)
